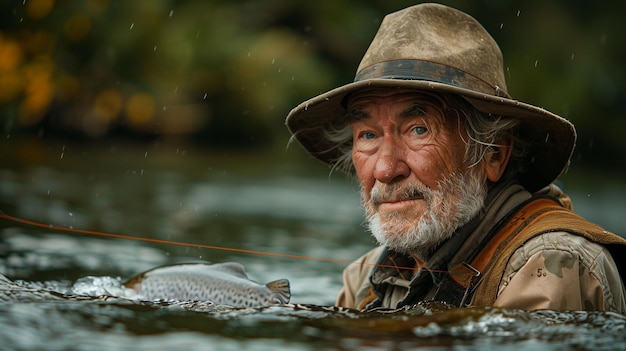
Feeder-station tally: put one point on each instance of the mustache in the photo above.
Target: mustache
(395, 192)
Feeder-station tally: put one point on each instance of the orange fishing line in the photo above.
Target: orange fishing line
(201, 246)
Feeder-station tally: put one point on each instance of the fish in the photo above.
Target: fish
(220, 283)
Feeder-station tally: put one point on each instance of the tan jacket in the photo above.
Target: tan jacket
(556, 270)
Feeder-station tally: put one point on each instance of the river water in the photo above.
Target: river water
(188, 198)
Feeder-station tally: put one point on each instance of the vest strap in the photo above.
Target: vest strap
(537, 217)
(527, 214)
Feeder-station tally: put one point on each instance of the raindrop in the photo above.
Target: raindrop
(536, 63)
(273, 61)
(572, 58)
(132, 25)
(547, 137)
(145, 155)
(501, 25)
(155, 47)
(518, 12)
(171, 13)
(205, 96)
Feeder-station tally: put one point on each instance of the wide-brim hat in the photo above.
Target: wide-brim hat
(435, 48)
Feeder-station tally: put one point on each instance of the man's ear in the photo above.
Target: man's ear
(497, 158)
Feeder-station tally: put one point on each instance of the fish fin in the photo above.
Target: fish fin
(281, 290)
(233, 268)
(134, 282)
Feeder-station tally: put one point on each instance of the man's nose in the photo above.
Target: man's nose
(391, 162)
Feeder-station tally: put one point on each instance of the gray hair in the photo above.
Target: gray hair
(484, 131)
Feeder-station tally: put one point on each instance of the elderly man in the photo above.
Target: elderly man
(456, 177)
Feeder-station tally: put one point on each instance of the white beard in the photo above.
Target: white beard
(457, 199)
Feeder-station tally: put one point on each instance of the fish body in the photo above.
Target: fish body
(221, 283)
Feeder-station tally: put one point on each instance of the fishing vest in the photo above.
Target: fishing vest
(478, 279)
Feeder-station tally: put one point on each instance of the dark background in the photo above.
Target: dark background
(224, 74)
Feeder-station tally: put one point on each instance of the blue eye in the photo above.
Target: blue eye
(368, 135)
(421, 130)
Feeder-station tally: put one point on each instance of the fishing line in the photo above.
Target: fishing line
(199, 246)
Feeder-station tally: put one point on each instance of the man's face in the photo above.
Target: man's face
(408, 156)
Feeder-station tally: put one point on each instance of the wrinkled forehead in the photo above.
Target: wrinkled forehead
(363, 97)
(409, 101)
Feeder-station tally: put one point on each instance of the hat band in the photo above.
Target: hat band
(429, 71)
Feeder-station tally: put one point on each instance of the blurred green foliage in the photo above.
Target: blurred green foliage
(228, 72)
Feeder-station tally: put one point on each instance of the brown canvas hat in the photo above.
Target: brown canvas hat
(435, 48)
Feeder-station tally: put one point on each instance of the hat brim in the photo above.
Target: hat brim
(552, 137)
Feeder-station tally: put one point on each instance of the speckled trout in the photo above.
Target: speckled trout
(220, 283)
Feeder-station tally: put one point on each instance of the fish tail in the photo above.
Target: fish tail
(280, 289)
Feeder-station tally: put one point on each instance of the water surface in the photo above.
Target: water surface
(267, 201)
